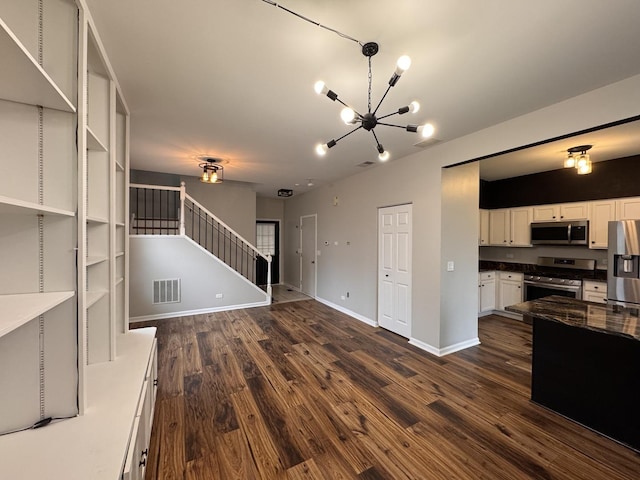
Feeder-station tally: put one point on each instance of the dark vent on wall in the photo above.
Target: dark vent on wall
(365, 164)
(166, 291)
(427, 142)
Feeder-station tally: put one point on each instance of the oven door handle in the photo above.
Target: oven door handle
(553, 285)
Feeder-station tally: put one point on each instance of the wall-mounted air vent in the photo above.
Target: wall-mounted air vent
(365, 164)
(427, 142)
(166, 291)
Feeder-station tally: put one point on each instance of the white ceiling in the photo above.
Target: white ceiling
(234, 79)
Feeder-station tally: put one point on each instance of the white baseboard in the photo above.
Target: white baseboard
(346, 311)
(440, 352)
(161, 316)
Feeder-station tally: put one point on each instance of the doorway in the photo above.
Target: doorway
(308, 255)
(268, 242)
(394, 268)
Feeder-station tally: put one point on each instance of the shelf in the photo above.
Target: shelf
(22, 308)
(93, 297)
(95, 260)
(119, 281)
(91, 219)
(119, 166)
(119, 254)
(13, 206)
(93, 143)
(24, 81)
(119, 224)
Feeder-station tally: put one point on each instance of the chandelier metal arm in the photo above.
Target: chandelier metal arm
(392, 125)
(347, 134)
(382, 99)
(388, 115)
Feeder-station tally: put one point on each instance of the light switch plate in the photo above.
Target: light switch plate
(450, 266)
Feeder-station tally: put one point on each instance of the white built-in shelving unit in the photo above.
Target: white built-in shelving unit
(65, 342)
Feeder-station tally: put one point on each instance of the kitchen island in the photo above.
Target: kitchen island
(586, 363)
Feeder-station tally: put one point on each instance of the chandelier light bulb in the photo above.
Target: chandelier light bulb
(585, 168)
(414, 107)
(403, 64)
(582, 161)
(348, 115)
(384, 156)
(320, 88)
(322, 149)
(213, 178)
(570, 162)
(427, 130)
(205, 177)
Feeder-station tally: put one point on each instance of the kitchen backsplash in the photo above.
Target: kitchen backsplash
(530, 255)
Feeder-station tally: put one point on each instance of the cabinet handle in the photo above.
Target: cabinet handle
(561, 216)
(155, 382)
(593, 241)
(595, 287)
(519, 286)
(142, 462)
(553, 216)
(145, 452)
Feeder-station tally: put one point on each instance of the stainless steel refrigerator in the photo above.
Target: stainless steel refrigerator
(623, 278)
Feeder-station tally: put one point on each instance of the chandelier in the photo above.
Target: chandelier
(370, 120)
(212, 171)
(578, 158)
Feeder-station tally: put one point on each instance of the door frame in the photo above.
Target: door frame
(280, 255)
(315, 253)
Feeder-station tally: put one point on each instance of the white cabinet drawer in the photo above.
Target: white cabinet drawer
(593, 286)
(487, 275)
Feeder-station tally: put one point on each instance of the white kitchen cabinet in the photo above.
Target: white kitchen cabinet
(561, 212)
(509, 289)
(628, 208)
(483, 233)
(510, 227)
(486, 292)
(601, 212)
(594, 291)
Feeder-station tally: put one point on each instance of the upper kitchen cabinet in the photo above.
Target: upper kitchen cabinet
(561, 212)
(510, 227)
(483, 233)
(628, 208)
(601, 212)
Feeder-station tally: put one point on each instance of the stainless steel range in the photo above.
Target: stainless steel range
(557, 276)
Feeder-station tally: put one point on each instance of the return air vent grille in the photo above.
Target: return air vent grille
(166, 291)
(427, 142)
(365, 164)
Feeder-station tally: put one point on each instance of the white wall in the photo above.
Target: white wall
(232, 202)
(418, 179)
(202, 276)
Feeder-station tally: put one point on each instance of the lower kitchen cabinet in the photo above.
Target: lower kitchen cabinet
(593, 291)
(486, 292)
(509, 289)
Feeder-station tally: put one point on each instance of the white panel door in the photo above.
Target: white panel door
(394, 269)
(308, 255)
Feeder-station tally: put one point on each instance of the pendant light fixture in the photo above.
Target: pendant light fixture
(370, 120)
(578, 158)
(351, 116)
(212, 171)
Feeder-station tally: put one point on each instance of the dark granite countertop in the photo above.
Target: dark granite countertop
(609, 319)
(531, 269)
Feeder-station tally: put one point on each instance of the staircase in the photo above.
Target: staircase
(159, 210)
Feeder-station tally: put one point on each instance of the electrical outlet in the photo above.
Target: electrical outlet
(219, 295)
(450, 266)
(342, 297)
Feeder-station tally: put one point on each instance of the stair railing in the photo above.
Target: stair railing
(188, 217)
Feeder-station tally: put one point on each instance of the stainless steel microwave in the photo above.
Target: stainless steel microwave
(560, 233)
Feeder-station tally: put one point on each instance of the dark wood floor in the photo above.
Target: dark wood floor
(301, 391)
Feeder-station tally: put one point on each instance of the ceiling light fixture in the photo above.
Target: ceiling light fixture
(369, 120)
(578, 158)
(349, 115)
(212, 171)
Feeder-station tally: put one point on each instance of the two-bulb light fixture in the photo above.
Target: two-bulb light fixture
(578, 158)
(369, 120)
(212, 171)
